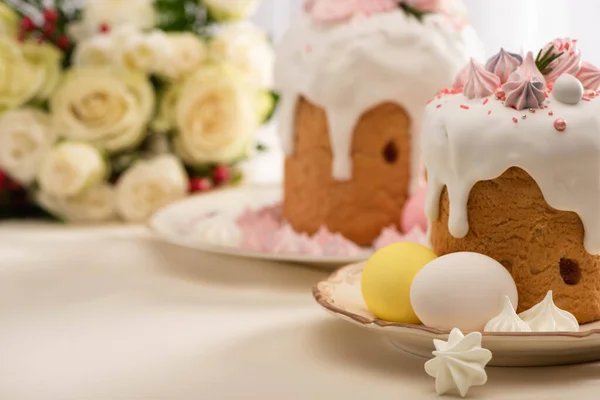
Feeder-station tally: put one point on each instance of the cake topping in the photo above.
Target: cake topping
(479, 83)
(560, 124)
(525, 94)
(507, 320)
(589, 76)
(558, 57)
(459, 363)
(546, 317)
(567, 89)
(331, 11)
(503, 64)
(460, 151)
(528, 71)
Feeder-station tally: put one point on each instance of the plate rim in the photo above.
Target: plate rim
(321, 298)
(152, 225)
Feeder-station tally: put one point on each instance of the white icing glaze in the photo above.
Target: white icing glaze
(351, 67)
(546, 317)
(464, 146)
(459, 363)
(507, 320)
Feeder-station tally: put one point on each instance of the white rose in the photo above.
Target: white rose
(138, 14)
(96, 50)
(188, 53)
(164, 121)
(9, 21)
(106, 107)
(27, 72)
(247, 47)
(26, 137)
(70, 168)
(143, 52)
(148, 186)
(95, 204)
(216, 116)
(227, 10)
(46, 59)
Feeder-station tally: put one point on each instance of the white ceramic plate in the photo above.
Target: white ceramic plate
(340, 295)
(178, 223)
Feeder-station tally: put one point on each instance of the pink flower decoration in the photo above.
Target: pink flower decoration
(331, 11)
(589, 76)
(524, 94)
(568, 63)
(479, 83)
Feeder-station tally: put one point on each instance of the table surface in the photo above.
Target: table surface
(112, 313)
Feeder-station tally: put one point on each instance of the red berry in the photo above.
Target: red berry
(3, 181)
(49, 29)
(199, 185)
(51, 15)
(221, 174)
(104, 28)
(27, 24)
(63, 42)
(13, 184)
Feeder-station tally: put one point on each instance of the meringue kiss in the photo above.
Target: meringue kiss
(503, 64)
(528, 71)
(524, 94)
(479, 83)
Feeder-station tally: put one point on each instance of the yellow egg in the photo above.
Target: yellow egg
(387, 278)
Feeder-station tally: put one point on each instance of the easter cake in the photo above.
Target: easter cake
(512, 154)
(354, 77)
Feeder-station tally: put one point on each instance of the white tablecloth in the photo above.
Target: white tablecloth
(110, 313)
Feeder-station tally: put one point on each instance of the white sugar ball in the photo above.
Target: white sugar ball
(567, 89)
(461, 290)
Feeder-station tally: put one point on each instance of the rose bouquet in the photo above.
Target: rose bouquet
(111, 109)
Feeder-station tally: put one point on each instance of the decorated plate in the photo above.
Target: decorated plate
(207, 223)
(340, 295)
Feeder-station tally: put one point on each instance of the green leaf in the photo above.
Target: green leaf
(415, 12)
(275, 98)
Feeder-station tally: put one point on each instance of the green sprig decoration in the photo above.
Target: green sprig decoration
(543, 61)
(415, 12)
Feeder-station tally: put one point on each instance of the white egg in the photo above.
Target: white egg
(461, 290)
(567, 89)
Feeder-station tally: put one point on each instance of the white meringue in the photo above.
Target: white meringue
(546, 317)
(507, 320)
(218, 231)
(459, 363)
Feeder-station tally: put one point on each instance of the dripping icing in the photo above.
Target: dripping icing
(463, 148)
(378, 73)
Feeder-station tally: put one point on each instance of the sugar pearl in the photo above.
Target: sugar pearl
(560, 124)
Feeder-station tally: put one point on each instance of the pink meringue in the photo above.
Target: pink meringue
(391, 235)
(589, 76)
(568, 63)
(461, 78)
(528, 71)
(524, 94)
(479, 82)
(426, 5)
(503, 64)
(413, 214)
(331, 11)
(265, 230)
